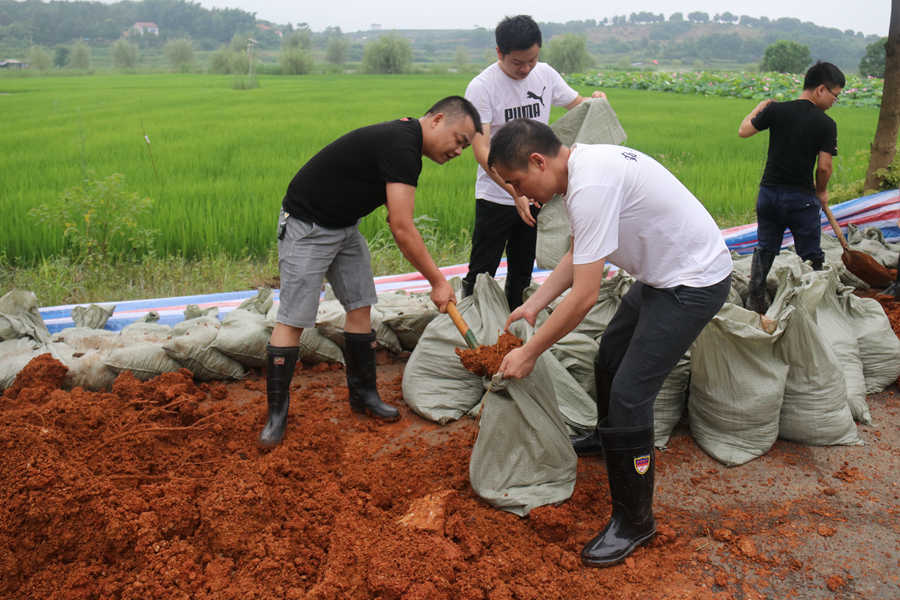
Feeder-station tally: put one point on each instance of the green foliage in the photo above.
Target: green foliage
(786, 57)
(568, 54)
(298, 40)
(295, 61)
(336, 50)
(872, 64)
(221, 191)
(461, 58)
(61, 57)
(100, 220)
(756, 86)
(180, 54)
(80, 58)
(38, 58)
(124, 54)
(389, 54)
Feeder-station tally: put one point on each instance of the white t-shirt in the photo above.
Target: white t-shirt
(500, 98)
(626, 207)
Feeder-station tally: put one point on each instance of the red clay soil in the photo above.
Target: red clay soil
(157, 490)
(485, 360)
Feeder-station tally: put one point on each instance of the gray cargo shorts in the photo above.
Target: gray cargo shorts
(308, 254)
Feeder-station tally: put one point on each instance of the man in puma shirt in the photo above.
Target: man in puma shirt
(517, 86)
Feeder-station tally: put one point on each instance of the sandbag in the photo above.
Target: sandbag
(243, 336)
(608, 300)
(14, 355)
(331, 317)
(86, 369)
(407, 315)
(837, 329)
(20, 317)
(522, 457)
(145, 360)
(435, 384)
(191, 346)
(576, 406)
(261, 303)
(83, 339)
(879, 348)
(145, 331)
(314, 347)
(93, 316)
(193, 311)
(815, 409)
(737, 386)
(668, 407)
(576, 352)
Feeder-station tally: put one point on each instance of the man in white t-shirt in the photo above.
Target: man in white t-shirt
(516, 86)
(627, 209)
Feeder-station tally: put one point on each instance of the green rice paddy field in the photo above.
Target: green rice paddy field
(220, 158)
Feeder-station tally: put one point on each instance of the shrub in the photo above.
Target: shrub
(180, 54)
(100, 220)
(80, 58)
(388, 54)
(872, 64)
(786, 57)
(124, 54)
(38, 58)
(568, 53)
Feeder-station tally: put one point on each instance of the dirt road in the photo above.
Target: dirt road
(157, 490)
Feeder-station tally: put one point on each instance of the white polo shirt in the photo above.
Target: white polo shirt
(500, 98)
(627, 208)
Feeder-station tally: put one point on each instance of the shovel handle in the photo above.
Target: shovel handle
(835, 227)
(461, 325)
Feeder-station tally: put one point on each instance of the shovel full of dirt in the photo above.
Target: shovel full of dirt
(859, 263)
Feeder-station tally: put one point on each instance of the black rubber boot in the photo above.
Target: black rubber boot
(590, 444)
(630, 467)
(280, 363)
(359, 351)
(757, 300)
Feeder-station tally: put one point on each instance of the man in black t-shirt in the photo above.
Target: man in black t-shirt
(318, 238)
(801, 136)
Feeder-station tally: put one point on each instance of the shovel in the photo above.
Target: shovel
(462, 326)
(859, 263)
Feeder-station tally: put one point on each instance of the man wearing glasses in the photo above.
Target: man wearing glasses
(801, 136)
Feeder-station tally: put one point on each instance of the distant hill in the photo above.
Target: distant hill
(688, 40)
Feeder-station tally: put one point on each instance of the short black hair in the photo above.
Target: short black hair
(823, 72)
(517, 33)
(514, 143)
(456, 106)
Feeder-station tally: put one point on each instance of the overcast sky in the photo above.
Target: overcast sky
(868, 16)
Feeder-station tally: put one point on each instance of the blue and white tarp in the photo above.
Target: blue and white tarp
(880, 210)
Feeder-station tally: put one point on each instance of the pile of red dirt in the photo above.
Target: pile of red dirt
(485, 360)
(157, 490)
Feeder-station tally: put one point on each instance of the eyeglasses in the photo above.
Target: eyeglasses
(832, 93)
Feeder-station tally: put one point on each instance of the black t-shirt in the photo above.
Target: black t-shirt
(346, 180)
(799, 130)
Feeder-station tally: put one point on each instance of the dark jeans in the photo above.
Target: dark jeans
(780, 208)
(499, 227)
(650, 331)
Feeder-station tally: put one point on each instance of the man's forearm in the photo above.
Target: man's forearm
(413, 248)
(822, 177)
(559, 280)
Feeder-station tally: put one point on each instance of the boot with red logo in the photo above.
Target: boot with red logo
(630, 466)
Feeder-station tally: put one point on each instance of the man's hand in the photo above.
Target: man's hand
(517, 364)
(523, 206)
(442, 294)
(522, 312)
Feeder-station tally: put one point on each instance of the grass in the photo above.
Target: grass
(220, 159)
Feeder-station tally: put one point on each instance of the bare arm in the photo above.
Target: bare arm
(401, 200)
(823, 174)
(747, 129)
(481, 148)
(559, 281)
(586, 282)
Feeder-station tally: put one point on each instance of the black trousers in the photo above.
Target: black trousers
(650, 331)
(499, 227)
